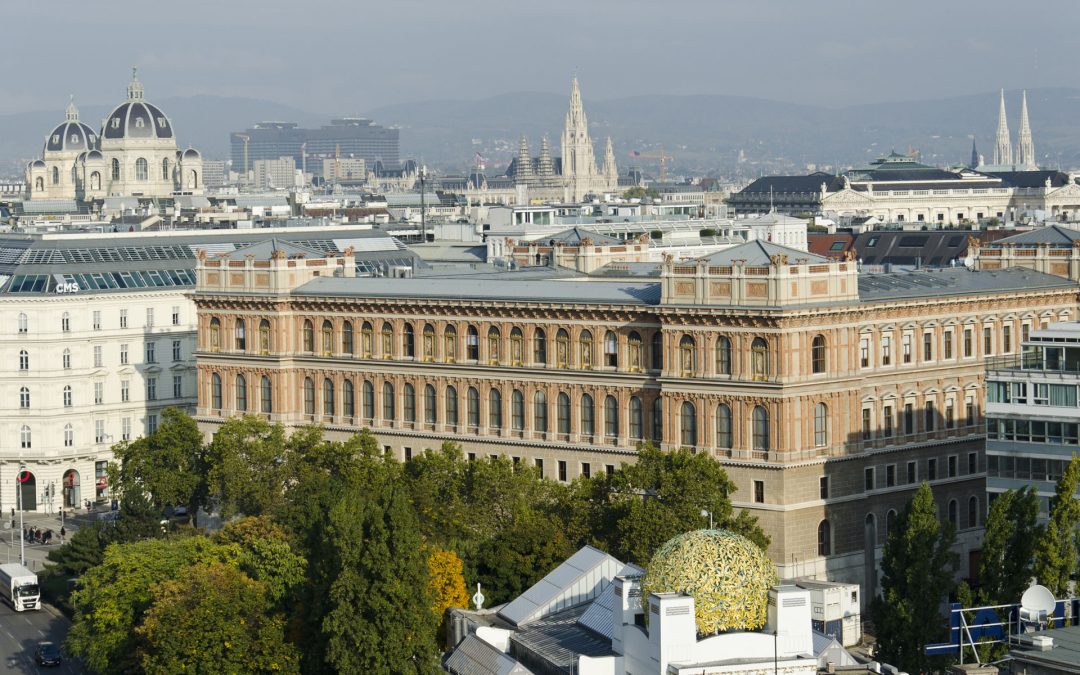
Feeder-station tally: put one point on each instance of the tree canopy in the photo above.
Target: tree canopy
(1056, 550)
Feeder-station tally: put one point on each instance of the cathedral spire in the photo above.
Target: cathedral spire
(545, 167)
(1002, 146)
(611, 174)
(578, 161)
(523, 172)
(1025, 151)
(72, 114)
(974, 154)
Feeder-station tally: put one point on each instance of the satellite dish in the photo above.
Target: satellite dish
(1038, 600)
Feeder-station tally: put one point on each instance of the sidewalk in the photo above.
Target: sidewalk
(36, 553)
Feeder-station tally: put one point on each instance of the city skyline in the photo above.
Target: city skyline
(763, 51)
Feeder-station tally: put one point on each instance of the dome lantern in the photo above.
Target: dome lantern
(135, 88)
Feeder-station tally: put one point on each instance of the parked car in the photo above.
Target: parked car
(48, 654)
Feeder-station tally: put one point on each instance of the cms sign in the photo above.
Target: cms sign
(67, 287)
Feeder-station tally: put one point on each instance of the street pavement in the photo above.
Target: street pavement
(20, 632)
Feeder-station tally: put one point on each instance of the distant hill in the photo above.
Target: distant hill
(703, 132)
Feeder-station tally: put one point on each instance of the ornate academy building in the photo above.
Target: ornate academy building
(134, 154)
(828, 395)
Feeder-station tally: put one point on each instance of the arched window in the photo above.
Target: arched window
(637, 423)
(539, 347)
(67, 359)
(495, 418)
(368, 401)
(165, 169)
(67, 395)
(611, 350)
(215, 334)
(562, 349)
(473, 407)
(309, 396)
(562, 413)
(328, 397)
(408, 341)
(451, 407)
(95, 180)
(388, 340)
(890, 522)
(657, 420)
(588, 416)
(688, 425)
(240, 334)
(115, 169)
(39, 184)
(327, 338)
(759, 359)
(215, 391)
(723, 355)
(142, 169)
(821, 425)
(264, 337)
(824, 538)
(723, 426)
(24, 397)
(472, 344)
(634, 352)
(611, 417)
(65, 322)
(409, 396)
(55, 176)
(817, 354)
(429, 342)
(540, 416)
(24, 323)
(348, 399)
(367, 340)
(25, 439)
(954, 516)
(687, 356)
(241, 393)
(24, 359)
(388, 411)
(193, 179)
(517, 347)
(656, 347)
(450, 346)
(69, 436)
(517, 411)
(347, 345)
(973, 512)
(760, 428)
(429, 405)
(586, 342)
(494, 341)
(266, 395)
(309, 336)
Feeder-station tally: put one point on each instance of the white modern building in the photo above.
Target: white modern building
(97, 336)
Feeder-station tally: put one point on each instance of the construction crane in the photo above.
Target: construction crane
(661, 157)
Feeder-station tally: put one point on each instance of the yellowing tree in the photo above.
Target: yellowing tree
(445, 580)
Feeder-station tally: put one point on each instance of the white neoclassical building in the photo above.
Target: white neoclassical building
(97, 338)
(134, 154)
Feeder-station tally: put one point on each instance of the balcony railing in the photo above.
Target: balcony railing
(1033, 362)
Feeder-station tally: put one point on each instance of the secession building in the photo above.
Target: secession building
(826, 394)
(133, 154)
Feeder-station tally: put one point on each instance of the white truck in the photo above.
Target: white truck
(19, 587)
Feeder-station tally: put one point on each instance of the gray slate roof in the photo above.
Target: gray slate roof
(451, 288)
(1051, 234)
(954, 281)
(264, 250)
(473, 656)
(575, 235)
(758, 253)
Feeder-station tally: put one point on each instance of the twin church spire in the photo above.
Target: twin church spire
(1024, 157)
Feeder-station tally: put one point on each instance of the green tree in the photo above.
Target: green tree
(662, 495)
(214, 619)
(112, 597)
(247, 466)
(168, 467)
(1056, 550)
(917, 575)
(380, 617)
(1006, 567)
(260, 548)
(639, 192)
(520, 555)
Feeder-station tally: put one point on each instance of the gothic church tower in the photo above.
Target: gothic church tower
(1003, 146)
(578, 161)
(1025, 149)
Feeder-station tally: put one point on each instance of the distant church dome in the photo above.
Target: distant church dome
(72, 134)
(135, 118)
(728, 576)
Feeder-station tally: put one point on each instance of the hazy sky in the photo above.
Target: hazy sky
(340, 56)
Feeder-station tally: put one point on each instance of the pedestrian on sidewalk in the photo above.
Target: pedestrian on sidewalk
(63, 533)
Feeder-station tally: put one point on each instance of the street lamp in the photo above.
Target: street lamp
(19, 480)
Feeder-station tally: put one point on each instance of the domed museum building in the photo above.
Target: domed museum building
(134, 154)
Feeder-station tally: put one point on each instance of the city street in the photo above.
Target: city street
(21, 631)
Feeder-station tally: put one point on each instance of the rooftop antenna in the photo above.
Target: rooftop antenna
(1037, 605)
(478, 598)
